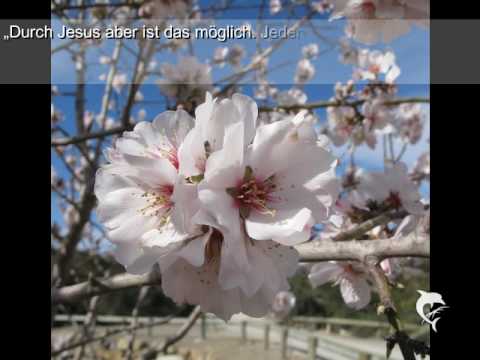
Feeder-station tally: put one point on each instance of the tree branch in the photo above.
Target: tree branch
(408, 347)
(233, 79)
(352, 250)
(95, 287)
(355, 250)
(324, 104)
(183, 331)
(109, 334)
(95, 135)
(134, 323)
(368, 225)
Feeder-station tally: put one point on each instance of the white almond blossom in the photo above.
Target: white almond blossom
(139, 96)
(119, 81)
(171, 195)
(105, 60)
(163, 9)
(408, 122)
(189, 80)
(370, 21)
(141, 115)
(341, 123)
(417, 11)
(376, 115)
(122, 15)
(264, 90)
(391, 189)
(205, 272)
(88, 118)
(283, 304)
(220, 56)
(232, 272)
(270, 117)
(321, 6)
(416, 224)
(70, 216)
(338, 221)
(421, 168)
(249, 194)
(218, 194)
(305, 71)
(343, 91)
(233, 55)
(56, 115)
(212, 118)
(373, 63)
(141, 200)
(291, 97)
(275, 6)
(351, 277)
(310, 51)
(341, 221)
(344, 125)
(109, 122)
(279, 186)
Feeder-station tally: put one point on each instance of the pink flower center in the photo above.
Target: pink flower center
(368, 8)
(254, 194)
(345, 130)
(394, 200)
(350, 270)
(374, 69)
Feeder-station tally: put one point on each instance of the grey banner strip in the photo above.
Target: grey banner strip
(454, 52)
(26, 61)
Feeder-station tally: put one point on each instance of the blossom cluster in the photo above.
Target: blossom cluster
(372, 20)
(217, 201)
(360, 112)
(218, 193)
(373, 193)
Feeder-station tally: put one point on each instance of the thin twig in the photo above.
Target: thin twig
(324, 104)
(111, 333)
(96, 135)
(387, 307)
(368, 225)
(183, 331)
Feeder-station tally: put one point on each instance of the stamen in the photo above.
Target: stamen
(159, 204)
(368, 8)
(394, 200)
(254, 194)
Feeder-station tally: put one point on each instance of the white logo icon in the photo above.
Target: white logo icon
(430, 298)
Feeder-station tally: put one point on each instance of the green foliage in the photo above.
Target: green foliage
(326, 301)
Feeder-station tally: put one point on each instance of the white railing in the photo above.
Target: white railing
(311, 342)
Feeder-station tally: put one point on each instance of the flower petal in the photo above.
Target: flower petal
(288, 227)
(356, 292)
(322, 273)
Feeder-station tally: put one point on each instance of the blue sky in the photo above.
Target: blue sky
(412, 51)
